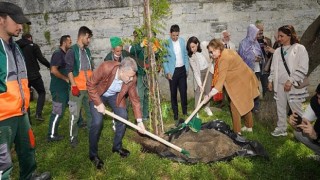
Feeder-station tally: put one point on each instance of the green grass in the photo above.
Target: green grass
(288, 158)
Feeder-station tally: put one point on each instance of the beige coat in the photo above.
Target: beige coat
(238, 79)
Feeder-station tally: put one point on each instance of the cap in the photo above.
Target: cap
(15, 12)
(115, 41)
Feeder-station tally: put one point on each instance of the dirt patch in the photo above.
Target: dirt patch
(206, 146)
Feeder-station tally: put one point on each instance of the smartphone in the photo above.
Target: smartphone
(298, 119)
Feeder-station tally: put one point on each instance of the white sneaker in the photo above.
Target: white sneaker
(246, 129)
(278, 132)
(208, 111)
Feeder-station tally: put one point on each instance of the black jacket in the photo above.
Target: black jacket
(32, 55)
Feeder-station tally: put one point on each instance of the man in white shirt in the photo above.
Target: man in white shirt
(176, 66)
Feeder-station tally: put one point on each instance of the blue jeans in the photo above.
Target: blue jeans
(97, 125)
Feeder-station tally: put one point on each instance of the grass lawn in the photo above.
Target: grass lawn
(288, 159)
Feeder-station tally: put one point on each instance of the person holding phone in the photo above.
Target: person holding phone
(305, 132)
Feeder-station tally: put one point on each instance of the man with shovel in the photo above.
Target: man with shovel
(110, 83)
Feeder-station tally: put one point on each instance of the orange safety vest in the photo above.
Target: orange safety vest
(81, 76)
(14, 90)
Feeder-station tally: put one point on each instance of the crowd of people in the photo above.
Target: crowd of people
(216, 65)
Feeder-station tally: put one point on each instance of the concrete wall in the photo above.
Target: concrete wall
(203, 18)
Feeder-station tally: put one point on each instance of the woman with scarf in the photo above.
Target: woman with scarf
(239, 81)
(283, 81)
(250, 51)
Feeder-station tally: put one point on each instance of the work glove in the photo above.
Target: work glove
(101, 108)
(141, 125)
(75, 91)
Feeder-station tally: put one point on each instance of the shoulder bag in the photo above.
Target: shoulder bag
(305, 81)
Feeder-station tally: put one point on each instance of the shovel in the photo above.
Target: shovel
(192, 122)
(183, 151)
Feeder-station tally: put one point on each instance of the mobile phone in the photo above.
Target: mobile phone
(298, 119)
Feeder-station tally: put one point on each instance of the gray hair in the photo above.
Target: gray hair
(224, 31)
(129, 64)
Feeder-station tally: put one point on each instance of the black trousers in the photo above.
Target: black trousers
(37, 84)
(179, 80)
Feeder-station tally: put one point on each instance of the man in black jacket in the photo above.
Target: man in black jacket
(32, 55)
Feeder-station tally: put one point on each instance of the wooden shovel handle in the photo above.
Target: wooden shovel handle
(204, 85)
(146, 132)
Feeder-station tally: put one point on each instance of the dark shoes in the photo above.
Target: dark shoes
(97, 162)
(74, 142)
(55, 138)
(42, 176)
(39, 117)
(122, 152)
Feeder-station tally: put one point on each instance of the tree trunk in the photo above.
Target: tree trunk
(311, 40)
(154, 94)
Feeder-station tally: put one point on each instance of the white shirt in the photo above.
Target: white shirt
(115, 87)
(203, 64)
(309, 114)
(177, 52)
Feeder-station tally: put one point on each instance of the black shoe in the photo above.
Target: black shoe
(39, 117)
(55, 138)
(42, 176)
(74, 143)
(122, 152)
(97, 162)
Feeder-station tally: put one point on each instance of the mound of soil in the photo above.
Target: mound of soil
(206, 146)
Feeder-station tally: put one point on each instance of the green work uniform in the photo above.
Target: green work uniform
(137, 52)
(59, 91)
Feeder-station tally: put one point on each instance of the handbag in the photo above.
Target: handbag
(304, 83)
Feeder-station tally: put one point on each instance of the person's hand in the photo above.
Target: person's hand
(169, 76)
(142, 128)
(208, 96)
(287, 86)
(75, 91)
(67, 80)
(308, 129)
(258, 58)
(206, 99)
(269, 49)
(101, 108)
(270, 88)
(292, 119)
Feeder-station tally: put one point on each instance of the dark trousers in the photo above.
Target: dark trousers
(179, 80)
(60, 100)
(97, 125)
(17, 131)
(256, 100)
(37, 84)
(264, 83)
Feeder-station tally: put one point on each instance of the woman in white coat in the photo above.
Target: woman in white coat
(283, 82)
(200, 62)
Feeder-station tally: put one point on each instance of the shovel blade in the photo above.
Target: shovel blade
(195, 124)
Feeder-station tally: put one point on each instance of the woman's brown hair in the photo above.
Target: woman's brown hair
(216, 44)
(289, 31)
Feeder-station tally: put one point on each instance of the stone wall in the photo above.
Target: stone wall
(202, 18)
